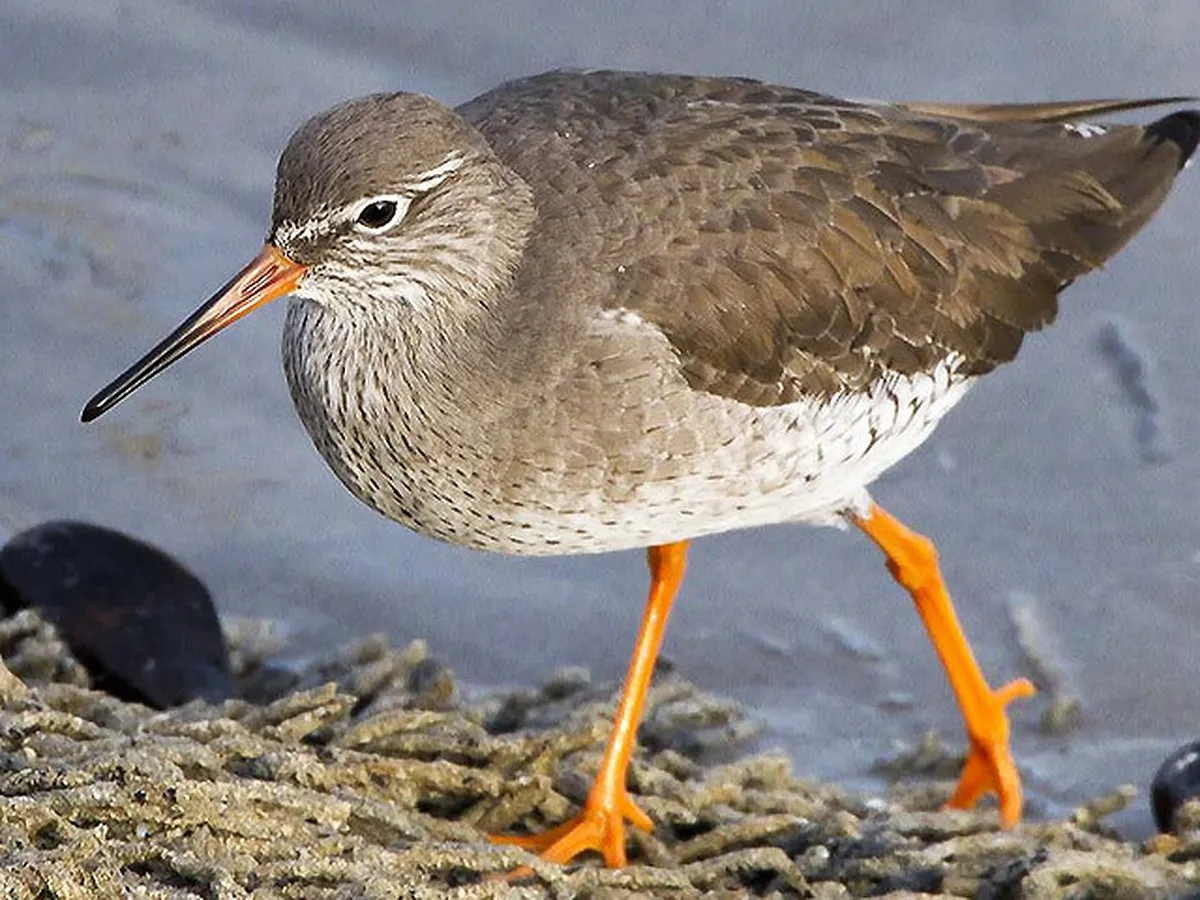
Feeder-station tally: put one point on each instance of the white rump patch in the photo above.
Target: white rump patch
(1085, 129)
(622, 316)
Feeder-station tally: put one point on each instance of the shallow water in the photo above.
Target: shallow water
(139, 143)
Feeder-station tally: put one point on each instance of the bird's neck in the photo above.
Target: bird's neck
(408, 377)
(424, 349)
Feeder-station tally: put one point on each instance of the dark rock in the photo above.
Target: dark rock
(140, 622)
(1176, 781)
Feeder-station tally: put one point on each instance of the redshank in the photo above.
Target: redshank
(594, 311)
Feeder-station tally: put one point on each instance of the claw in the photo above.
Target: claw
(989, 767)
(600, 826)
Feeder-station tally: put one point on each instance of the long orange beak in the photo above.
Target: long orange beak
(269, 275)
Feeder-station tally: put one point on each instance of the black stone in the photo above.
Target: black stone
(1176, 781)
(142, 624)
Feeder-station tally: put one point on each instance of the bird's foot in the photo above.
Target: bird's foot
(989, 767)
(600, 826)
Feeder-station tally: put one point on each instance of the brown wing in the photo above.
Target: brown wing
(789, 243)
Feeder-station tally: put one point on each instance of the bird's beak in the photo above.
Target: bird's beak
(269, 275)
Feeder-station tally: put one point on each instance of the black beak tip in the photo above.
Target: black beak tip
(92, 411)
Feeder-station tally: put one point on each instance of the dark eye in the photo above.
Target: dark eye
(379, 214)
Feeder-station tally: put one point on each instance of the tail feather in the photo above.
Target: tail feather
(1182, 129)
(1058, 111)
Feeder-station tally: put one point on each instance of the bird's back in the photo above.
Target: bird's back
(789, 244)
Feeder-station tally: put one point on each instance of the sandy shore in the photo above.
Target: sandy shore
(368, 775)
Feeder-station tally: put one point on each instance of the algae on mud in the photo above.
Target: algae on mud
(367, 775)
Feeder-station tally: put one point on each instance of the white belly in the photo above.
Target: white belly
(729, 466)
(801, 462)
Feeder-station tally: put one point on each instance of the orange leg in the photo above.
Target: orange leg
(912, 560)
(600, 825)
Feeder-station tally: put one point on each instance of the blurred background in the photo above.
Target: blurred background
(137, 149)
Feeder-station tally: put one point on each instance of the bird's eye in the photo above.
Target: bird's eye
(378, 215)
(381, 214)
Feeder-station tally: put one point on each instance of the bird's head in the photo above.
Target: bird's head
(387, 205)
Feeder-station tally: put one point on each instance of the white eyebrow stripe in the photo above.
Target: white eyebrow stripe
(431, 178)
(322, 221)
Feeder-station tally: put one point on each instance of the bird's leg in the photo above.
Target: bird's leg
(912, 560)
(600, 825)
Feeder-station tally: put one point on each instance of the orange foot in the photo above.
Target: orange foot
(600, 826)
(912, 560)
(989, 767)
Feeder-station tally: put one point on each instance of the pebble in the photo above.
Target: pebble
(1175, 783)
(142, 624)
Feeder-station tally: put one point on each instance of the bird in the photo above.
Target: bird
(590, 311)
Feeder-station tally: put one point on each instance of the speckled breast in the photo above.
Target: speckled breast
(544, 482)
